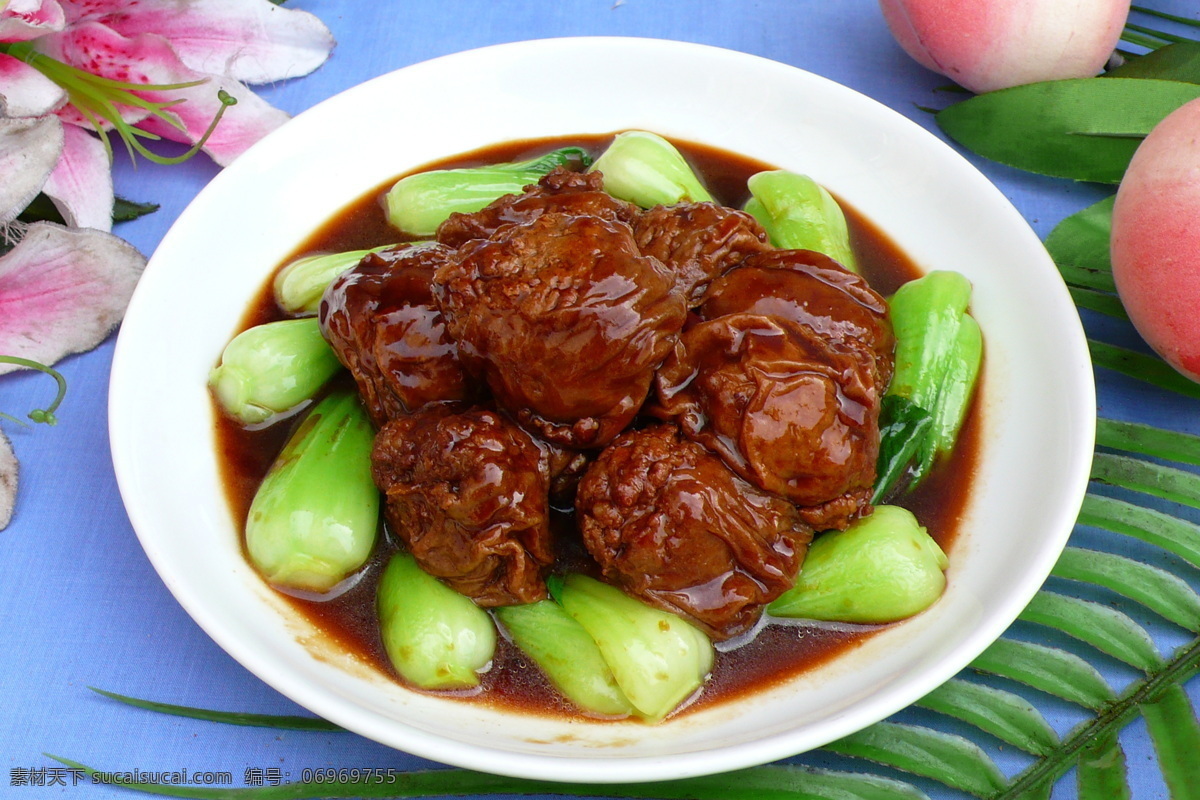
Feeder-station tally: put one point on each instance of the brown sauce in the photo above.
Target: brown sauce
(775, 652)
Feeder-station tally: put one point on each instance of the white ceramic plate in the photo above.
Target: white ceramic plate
(1039, 405)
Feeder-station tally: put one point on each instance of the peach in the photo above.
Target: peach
(984, 46)
(1156, 239)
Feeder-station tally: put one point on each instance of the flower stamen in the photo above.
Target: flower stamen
(97, 99)
(42, 415)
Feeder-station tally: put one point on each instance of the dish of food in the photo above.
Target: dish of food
(1033, 425)
(585, 365)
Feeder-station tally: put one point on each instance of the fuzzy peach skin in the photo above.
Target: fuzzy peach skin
(1156, 239)
(984, 45)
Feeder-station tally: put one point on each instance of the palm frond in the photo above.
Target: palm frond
(952, 760)
(1071, 673)
(1102, 770)
(1176, 736)
(1007, 716)
(1110, 631)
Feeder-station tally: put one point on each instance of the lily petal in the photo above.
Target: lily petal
(29, 150)
(28, 92)
(8, 481)
(22, 20)
(62, 290)
(149, 58)
(254, 41)
(81, 185)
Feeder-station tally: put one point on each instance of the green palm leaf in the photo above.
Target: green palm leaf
(1158, 590)
(1169, 483)
(1104, 628)
(1135, 437)
(1142, 366)
(1100, 302)
(1176, 736)
(1007, 716)
(1048, 669)
(953, 760)
(1175, 535)
(1102, 773)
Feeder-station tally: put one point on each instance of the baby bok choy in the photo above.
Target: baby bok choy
(314, 518)
(272, 368)
(435, 637)
(799, 214)
(299, 285)
(567, 656)
(417, 204)
(647, 170)
(954, 399)
(657, 659)
(883, 568)
(939, 349)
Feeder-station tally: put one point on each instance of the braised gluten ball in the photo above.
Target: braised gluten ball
(380, 319)
(670, 523)
(565, 320)
(468, 494)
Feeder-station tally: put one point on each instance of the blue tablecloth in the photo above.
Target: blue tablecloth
(80, 604)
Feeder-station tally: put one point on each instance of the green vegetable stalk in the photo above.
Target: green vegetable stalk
(954, 399)
(567, 655)
(314, 519)
(648, 171)
(435, 637)
(938, 357)
(926, 314)
(272, 368)
(299, 285)
(419, 203)
(799, 214)
(657, 659)
(883, 568)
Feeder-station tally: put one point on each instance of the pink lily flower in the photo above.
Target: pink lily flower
(144, 70)
(62, 289)
(200, 52)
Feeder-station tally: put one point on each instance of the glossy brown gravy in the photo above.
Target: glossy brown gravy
(776, 652)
